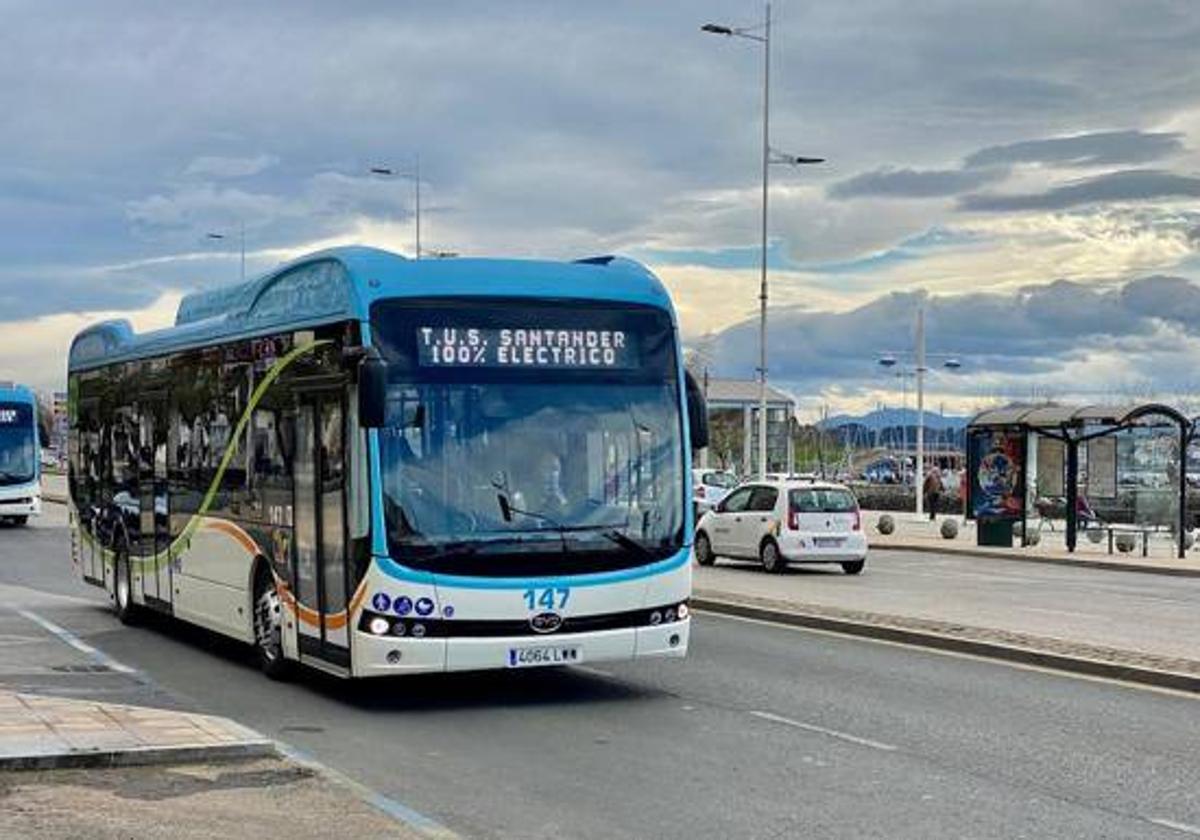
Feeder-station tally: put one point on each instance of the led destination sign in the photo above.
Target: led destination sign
(11, 415)
(535, 348)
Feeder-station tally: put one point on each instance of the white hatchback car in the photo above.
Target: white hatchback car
(711, 486)
(791, 521)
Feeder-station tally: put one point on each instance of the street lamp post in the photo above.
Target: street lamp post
(888, 360)
(769, 156)
(242, 240)
(415, 176)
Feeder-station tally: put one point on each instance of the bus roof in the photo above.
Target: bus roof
(341, 284)
(11, 392)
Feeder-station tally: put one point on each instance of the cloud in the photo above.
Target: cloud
(1016, 341)
(1128, 185)
(229, 167)
(1103, 148)
(912, 183)
(130, 130)
(1016, 93)
(36, 349)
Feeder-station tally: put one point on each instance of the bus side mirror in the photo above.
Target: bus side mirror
(372, 390)
(697, 413)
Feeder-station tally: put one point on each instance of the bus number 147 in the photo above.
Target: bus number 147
(547, 599)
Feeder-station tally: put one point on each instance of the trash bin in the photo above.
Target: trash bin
(994, 532)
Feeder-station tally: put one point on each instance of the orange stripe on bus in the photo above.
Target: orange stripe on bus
(231, 529)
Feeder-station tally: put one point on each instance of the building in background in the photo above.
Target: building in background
(58, 422)
(733, 427)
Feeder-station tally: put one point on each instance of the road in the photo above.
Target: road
(763, 732)
(1154, 614)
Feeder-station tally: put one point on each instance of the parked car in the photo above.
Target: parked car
(711, 486)
(881, 472)
(786, 522)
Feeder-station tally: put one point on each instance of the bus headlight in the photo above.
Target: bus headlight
(418, 630)
(682, 612)
(378, 626)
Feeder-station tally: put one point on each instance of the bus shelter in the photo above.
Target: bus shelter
(1020, 455)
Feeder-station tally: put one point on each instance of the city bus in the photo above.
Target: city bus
(372, 465)
(20, 451)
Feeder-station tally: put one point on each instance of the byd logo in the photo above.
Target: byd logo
(546, 622)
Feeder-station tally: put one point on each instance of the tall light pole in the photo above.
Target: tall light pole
(769, 156)
(415, 177)
(241, 238)
(888, 360)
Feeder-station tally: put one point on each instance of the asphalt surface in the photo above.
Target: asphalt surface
(762, 732)
(1154, 614)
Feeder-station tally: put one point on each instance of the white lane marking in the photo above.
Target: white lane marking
(397, 810)
(1176, 826)
(96, 655)
(821, 730)
(1057, 612)
(394, 809)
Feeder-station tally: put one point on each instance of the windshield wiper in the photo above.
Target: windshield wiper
(507, 510)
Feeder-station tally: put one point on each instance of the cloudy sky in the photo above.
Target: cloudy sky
(1028, 171)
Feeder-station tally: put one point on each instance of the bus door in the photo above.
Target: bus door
(320, 526)
(87, 492)
(154, 523)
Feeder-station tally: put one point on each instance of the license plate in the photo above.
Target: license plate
(532, 657)
(827, 542)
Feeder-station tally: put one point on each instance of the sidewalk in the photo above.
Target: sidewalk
(913, 534)
(52, 732)
(207, 801)
(91, 749)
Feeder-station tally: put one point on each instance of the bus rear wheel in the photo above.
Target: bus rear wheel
(268, 628)
(123, 591)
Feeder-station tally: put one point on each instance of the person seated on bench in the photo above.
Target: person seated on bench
(1085, 517)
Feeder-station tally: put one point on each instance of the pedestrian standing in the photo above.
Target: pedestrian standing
(932, 490)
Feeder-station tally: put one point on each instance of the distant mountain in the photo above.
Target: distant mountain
(890, 418)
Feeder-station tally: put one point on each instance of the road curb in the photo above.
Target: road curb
(920, 548)
(140, 756)
(962, 642)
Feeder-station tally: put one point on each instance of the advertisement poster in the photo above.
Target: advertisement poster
(1051, 456)
(1102, 468)
(995, 460)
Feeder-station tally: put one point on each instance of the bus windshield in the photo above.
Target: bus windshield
(17, 455)
(497, 464)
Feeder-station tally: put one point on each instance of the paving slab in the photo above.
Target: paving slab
(65, 704)
(38, 732)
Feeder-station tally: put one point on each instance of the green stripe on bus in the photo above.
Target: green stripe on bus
(153, 563)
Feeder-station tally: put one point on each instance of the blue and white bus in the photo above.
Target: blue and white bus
(374, 465)
(20, 462)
